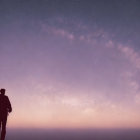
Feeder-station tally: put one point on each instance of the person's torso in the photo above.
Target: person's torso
(3, 104)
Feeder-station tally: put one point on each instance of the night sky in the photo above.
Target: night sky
(71, 63)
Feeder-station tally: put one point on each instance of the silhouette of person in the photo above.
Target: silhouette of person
(5, 108)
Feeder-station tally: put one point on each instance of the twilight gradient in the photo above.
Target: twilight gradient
(71, 63)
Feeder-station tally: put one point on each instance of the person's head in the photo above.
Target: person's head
(2, 91)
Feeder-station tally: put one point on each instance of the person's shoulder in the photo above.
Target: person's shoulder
(5, 96)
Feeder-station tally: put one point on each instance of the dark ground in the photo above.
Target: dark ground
(73, 134)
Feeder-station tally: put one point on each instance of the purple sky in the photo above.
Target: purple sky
(71, 63)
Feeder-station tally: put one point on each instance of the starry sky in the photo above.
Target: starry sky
(71, 63)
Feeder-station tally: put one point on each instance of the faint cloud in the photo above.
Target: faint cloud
(72, 101)
(89, 111)
(57, 31)
(137, 99)
(134, 85)
(82, 38)
(129, 78)
(110, 44)
(80, 32)
(63, 33)
(131, 54)
(128, 74)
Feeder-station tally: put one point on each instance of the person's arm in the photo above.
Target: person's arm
(9, 105)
